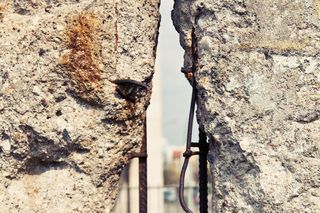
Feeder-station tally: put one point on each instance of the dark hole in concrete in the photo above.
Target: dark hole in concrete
(65, 136)
(60, 98)
(41, 52)
(58, 113)
(5, 136)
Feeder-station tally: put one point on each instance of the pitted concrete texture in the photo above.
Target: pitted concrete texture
(66, 127)
(258, 74)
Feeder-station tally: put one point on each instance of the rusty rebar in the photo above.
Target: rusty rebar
(202, 145)
(188, 153)
(203, 171)
(143, 182)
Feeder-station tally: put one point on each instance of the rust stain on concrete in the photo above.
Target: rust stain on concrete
(3, 11)
(81, 60)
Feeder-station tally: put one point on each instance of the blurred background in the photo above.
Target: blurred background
(167, 129)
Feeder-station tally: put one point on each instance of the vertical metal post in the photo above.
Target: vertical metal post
(143, 183)
(128, 188)
(203, 172)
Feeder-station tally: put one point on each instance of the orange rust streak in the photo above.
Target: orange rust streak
(2, 12)
(81, 61)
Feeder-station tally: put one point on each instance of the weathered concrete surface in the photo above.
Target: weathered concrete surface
(258, 74)
(66, 129)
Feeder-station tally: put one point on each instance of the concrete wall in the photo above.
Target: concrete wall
(258, 73)
(67, 127)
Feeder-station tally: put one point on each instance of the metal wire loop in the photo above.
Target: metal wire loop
(188, 153)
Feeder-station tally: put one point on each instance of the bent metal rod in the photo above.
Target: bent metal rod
(203, 151)
(202, 145)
